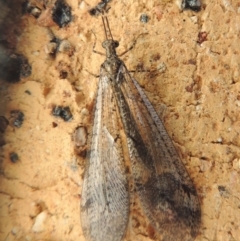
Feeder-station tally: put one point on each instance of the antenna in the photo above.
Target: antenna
(106, 26)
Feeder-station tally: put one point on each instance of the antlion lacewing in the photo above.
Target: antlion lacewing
(166, 192)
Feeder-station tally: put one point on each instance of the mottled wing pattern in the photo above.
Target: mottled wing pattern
(166, 191)
(105, 201)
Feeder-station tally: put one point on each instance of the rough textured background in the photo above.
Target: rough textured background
(196, 92)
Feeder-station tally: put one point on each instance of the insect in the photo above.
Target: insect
(166, 192)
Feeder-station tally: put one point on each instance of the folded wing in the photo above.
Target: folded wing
(105, 201)
(166, 191)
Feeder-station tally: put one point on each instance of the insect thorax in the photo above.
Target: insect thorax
(111, 67)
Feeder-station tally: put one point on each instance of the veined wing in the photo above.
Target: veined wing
(166, 191)
(105, 200)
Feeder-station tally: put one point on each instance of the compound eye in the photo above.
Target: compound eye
(116, 44)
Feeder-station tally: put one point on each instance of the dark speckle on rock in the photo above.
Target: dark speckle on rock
(17, 118)
(13, 157)
(14, 67)
(144, 18)
(63, 112)
(3, 124)
(61, 13)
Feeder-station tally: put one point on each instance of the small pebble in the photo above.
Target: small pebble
(219, 140)
(202, 36)
(36, 208)
(61, 13)
(36, 12)
(51, 48)
(17, 118)
(27, 7)
(144, 18)
(40, 221)
(85, 112)
(162, 68)
(80, 136)
(28, 92)
(15, 230)
(63, 112)
(223, 191)
(194, 5)
(82, 5)
(65, 46)
(66, 114)
(54, 124)
(194, 19)
(56, 110)
(13, 157)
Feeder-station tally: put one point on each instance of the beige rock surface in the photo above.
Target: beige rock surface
(196, 92)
